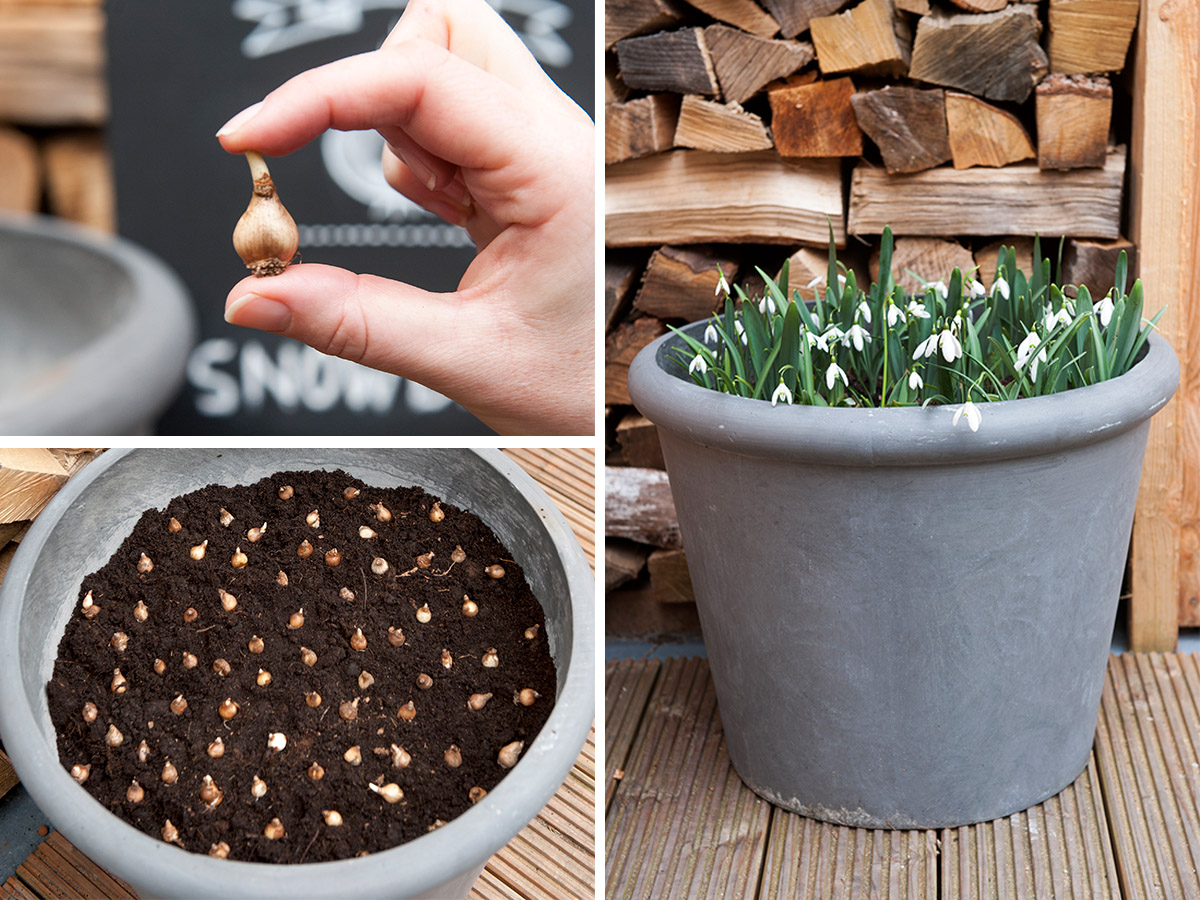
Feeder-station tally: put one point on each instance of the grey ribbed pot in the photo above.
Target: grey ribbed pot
(95, 334)
(907, 622)
(85, 524)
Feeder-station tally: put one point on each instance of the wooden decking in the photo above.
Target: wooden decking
(680, 823)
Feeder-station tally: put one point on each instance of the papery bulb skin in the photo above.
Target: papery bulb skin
(266, 237)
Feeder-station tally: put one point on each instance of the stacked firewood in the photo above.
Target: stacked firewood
(740, 135)
(53, 106)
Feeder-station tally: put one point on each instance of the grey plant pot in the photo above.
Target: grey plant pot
(907, 623)
(95, 331)
(86, 522)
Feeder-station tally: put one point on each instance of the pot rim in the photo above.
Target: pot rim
(427, 861)
(906, 436)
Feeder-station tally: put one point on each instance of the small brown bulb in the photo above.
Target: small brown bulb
(358, 640)
(266, 237)
(453, 756)
(274, 830)
(400, 757)
(178, 705)
(197, 552)
(478, 701)
(458, 555)
(119, 685)
(263, 678)
(382, 513)
(476, 794)
(304, 551)
(228, 709)
(509, 753)
(220, 850)
(313, 519)
(88, 607)
(491, 658)
(144, 564)
(407, 712)
(316, 772)
(226, 517)
(258, 788)
(114, 738)
(160, 666)
(525, 696)
(424, 682)
(90, 712)
(210, 793)
(366, 532)
(143, 752)
(255, 644)
(447, 659)
(353, 755)
(365, 680)
(395, 636)
(228, 600)
(312, 699)
(216, 749)
(173, 526)
(333, 557)
(141, 612)
(190, 614)
(332, 817)
(390, 792)
(281, 578)
(254, 535)
(170, 833)
(425, 560)
(436, 824)
(285, 492)
(348, 709)
(531, 632)
(80, 772)
(189, 660)
(436, 514)
(239, 559)
(346, 594)
(470, 608)
(308, 657)
(169, 774)
(119, 641)
(135, 793)
(221, 667)
(424, 614)
(350, 493)
(277, 741)
(379, 565)
(296, 619)
(495, 571)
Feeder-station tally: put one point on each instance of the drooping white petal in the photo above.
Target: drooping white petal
(722, 284)
(942, 290)
(927, 347)
(815, 281)
(781, 393)
(710, 334)
(950, 346)
(698, 365)
(841, 279)
(1001, 287)
(864, 310)
(972, 413)
(917, 309)
(856, 336)
(1104, 310)
(915, 381)
(977, 288)
(832, 374)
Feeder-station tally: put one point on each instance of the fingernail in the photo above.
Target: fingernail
(417, 166)
(458, 191)
(261, 313)
(239, 120)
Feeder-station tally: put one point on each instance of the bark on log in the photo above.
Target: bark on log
(638, 506)
(668, 61)
(620, 347)
(907, 124)
(744, 63)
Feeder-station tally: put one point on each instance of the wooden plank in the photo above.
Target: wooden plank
(620, 347)
(681, 283)
(690, 196)
(744, 14)
(622, 269)
(1089, 36)
(104, 882)
(682, 821)
(985, 135)
(638, 437)
(8, 775)
(1073, 115)
(907, 124)
(668, 61)
(623, 562)
(627, 687)
(638, 506)
(79, 182)
(21, 182)
(744, 63)
(871, 38)
(568, 476)
(15, 889)
(1164, 217)
(52, 65)
(627, 18)
(640, 127)
(815, 119)
(1147, 759)
(29, 477)
(670, 577)
(70, 880)
(719, 127)
(948, 202)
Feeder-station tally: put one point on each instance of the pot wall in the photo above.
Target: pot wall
(899, 639)
(84, 525)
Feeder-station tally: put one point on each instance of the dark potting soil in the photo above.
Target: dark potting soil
(187, 627)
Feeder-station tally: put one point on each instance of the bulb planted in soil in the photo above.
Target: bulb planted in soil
(145, 565)
(210, 793)
(407, 712)
(495, 571)
(353, 756)
(395, 636)
(312, 699)
(141, 611)
(470, 608)
(453, 756)
(255, 644)
(274, 830)
(189, 660)
(228, 709)
(478, 701)
(379, 565)
(197, 552)
(169, 774)
(174, 526)
(400, 757)
(118, 685)
(160, 666)
(258, 788)
(88, 607)
(316, 772)
(228, 600)
(308, 657)
(239, 559)
(286, 492)
(255, 534)
(220, 850)
(90, 712)
(510, 753)
(80, 772)
(113, 737)
(382, 513)
(170, 833)
(436, 514)
(358, 641)
(390, 792)
(190, 614)
(135, 793)
(221, 667)
(491, 659)
(424, 615)
(332, 817)
(424, 682)
(348, 709)
(216, 749)
(476, 794)
(143, 752)
(525, 696)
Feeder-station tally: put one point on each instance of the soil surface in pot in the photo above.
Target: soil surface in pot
(282, 637)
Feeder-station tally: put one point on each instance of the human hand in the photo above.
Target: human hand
(477, 134)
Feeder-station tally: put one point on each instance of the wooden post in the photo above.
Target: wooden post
(1165, 224)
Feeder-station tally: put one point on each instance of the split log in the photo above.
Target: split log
(1094, 263)
(744, 14)
(983, 135)
(933, 259)
(980, 6)
(1017, 198)
(628, 18)
(1089, 36)
(79, 179)
(994, 55)
(668, 61)
(917, 7)
(719, 127)
(669, 577)
(620, 347)
(693, 197)
(52, 65)
(615, 90)
(744, 63)
(1073, 115)
(10, 531)
(623, 562)
(20, 183)
(75, 458)
(28, 479)
(638, 506)
(681, 283)
(640, 127)
(908, 126)
(808, 269)
(794, 16)
(872, 39)
(635, 611)
(8, 775)
(621, 271)
(816, 119)
(987, 256)
(638, 437)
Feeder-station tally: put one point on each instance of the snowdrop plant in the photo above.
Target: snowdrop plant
(953, 342)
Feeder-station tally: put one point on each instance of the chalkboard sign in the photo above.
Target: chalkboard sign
(177, 71)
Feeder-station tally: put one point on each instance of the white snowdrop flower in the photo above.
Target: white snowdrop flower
(781, 393)
(698, 365)
(917, 309)
(833, 373)
(812, 339)
(1053, 318)
(1000, 286)
(815, 282)
(841, 279)
(766, 303)
(927, 347)
(950, 346)
(1025, 351)
(856, 336)
(895, 314)
(941, 289)
(864, 310)
(1104, 310)
(832, 335)
(915, 381)
(710, 334)
(971, 411)
(977, 288)
(741, 330)
(722, 284)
